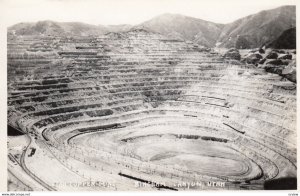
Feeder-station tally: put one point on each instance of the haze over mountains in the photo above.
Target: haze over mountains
(252, 31)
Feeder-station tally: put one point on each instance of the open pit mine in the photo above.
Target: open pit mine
(139, 111)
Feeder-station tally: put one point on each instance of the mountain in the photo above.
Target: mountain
(118, 28)
(184, 27)
(256, 30)
(65, 28)
(287, 40)
(57, 28)
(249, 32)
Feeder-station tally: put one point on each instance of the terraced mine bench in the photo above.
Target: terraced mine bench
(137, 107)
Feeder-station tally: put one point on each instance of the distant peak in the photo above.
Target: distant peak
(171, 15)
(45, 22)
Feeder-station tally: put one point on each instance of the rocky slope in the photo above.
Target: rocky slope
(281, 62)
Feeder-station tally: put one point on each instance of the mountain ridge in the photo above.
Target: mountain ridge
(185, 27)
(251, 31)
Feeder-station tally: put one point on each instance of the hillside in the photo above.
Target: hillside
(249, 32)
(57, 28)
(184, 27)
(287, 40)
(258, 29)
(118, 28)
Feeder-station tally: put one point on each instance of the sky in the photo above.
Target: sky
(112, 12)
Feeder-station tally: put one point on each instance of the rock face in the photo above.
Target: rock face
(261, 51)
(281, 62)
(233, 54)
(286, 56)
(253, 58)
(289, 71)
(284, 69)
(272, 55)
(277, 62)
(262, 61)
